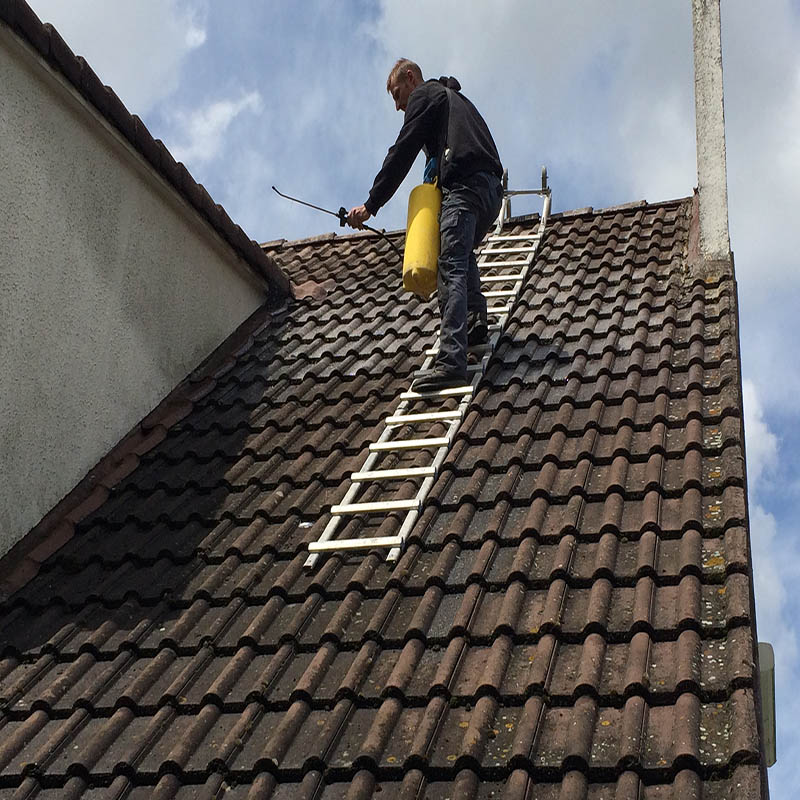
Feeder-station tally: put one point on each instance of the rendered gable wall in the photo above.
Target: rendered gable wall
(112, 288)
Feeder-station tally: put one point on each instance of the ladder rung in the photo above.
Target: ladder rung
(368, 508)
(517, 238)
(392, 474)
(404, 419)
(454, 391)
(473, 348)
(517, 262)
(409, 444)
(498, 310)
(515, 276)
(424, 373)
(501, 293)
(355, 544)
(497, 251)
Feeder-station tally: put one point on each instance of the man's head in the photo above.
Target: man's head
(403, 79)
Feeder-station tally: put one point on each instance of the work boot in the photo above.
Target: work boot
(477, 329)
(438, 379)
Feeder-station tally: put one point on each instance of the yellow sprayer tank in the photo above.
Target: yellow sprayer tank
(422, 240)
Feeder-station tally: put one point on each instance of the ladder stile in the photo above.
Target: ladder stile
(522, 249)
(325, 536)
(350, 495)
(410, 520)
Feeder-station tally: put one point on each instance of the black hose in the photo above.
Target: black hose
(383, 235)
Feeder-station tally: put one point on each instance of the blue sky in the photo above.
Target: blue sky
(250, 94)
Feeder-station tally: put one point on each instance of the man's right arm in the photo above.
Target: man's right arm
(357, 217)
(421, 116)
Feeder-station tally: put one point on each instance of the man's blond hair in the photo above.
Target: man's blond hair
(399, 69)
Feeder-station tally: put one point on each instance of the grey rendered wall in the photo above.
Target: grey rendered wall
(112, 288)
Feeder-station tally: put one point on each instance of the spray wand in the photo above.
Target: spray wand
(342, 217)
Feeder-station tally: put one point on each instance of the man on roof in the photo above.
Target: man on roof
(461, 152)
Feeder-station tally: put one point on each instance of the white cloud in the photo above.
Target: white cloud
(200, 134)
(137, 48)
(762, 444)
(195, 37)
(776, 611)
(771, 568)
(775, 568)
(771, 594)
(762, 116)
(661, 165)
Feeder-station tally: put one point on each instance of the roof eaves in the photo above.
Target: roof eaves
(47, 42)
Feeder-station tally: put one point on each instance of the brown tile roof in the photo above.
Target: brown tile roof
(45, 39)
(572, 617)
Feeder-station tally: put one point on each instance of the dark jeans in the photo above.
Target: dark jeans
(468, 211)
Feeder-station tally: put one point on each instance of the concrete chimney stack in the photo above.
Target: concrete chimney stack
(712, 181)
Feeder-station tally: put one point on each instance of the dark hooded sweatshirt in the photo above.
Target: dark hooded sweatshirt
(444, 124)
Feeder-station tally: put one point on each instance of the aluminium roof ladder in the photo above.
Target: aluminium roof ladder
(504, 261)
